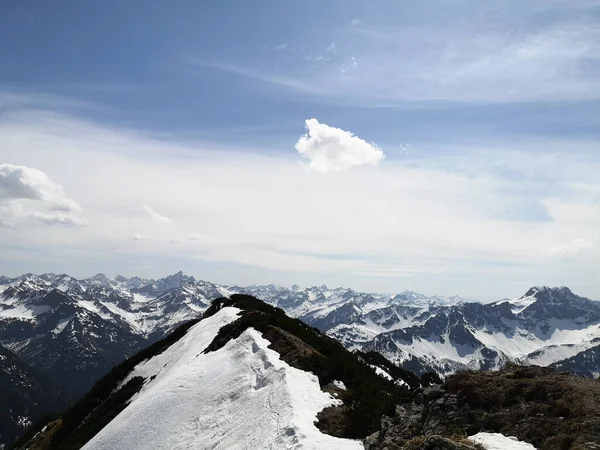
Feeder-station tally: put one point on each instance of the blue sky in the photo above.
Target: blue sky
(454, 146)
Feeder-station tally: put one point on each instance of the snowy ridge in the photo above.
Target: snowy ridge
(242, 396)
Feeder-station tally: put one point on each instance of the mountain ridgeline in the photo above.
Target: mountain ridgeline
(271, 350)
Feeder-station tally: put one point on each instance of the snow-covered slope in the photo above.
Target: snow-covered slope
(242, 396)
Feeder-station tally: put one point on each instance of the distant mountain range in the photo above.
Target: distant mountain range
(77, 329)
(72, 331)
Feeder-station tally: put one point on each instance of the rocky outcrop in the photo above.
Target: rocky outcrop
(434, 412)
(549, 409)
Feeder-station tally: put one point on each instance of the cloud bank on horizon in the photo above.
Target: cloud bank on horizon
(275, 158)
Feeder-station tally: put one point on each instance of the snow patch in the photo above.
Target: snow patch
(497, 441)
(382, 373)
(24, 312)
(62, 324)
(93, 307)
(139, 298)
(339, 384)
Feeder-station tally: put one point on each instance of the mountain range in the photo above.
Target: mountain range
(72, 331)
(245, 375)
(77, 329)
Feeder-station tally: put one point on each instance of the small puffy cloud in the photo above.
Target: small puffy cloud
(139, 237)
(355, 22)
(330, 149)
(24, 188)
(158, 218)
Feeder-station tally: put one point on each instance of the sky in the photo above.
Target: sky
(446, 147)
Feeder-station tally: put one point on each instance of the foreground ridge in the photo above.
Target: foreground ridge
(244, 376)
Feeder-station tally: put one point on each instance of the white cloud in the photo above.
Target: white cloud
(26, 192)
(139, 237)
(355, 22)
(26, 183)
(158, 218)
(331, 149)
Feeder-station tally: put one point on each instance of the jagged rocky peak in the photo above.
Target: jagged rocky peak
(99, 279)
(178, 279)
(31, 279)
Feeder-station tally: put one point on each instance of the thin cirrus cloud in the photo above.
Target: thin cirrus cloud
(331, 149)
(157, 217)
(511, 57)
(28, 193)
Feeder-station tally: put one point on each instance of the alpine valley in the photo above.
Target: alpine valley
(59, 334)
